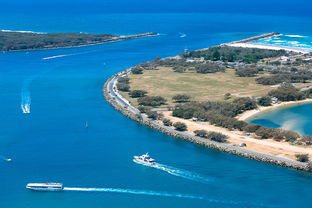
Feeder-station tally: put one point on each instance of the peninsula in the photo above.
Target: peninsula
(15, 41)
(205, 96)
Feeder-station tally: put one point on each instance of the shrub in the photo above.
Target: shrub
(287, 92)
(251, 128)
(227, 96)
(144, 109)
(154, 115)
(181, 98)
(137, 93)
(208, 68)
(201, 133)
(137, 70)
(265, 101)
(217, 137)
(151, 101)
(124, 79)
(167, 122)
(179, 126)
(307, 139)
(123, 87)
(246, 72)
(302, 157)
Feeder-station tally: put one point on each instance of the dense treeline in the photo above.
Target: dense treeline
(231, 54)
(222, 114)
(300, 77)
(22, 41)
(287, 92)
(123, 84)
(198, 109)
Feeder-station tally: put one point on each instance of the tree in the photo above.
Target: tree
(167, 122)
(137, 93)
(227, 96)
(179, 126)
(123, 87)
(251, 128)
(137, 70)
(151, 101)
(217, 137)
(201, 133)
(181, 98)
(287, 92)
(265, 101)
(307, 139)
(154, 115)
(302, 157)
(144, 109)
(124, 79)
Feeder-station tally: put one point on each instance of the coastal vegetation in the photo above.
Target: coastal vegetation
(179, 126)
(214, 136)
(10, 41)
(196, 87)
(232, 54)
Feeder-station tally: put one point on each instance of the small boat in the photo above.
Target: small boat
(145, 158)
(45, 186)
(86, 125)
(8, 159)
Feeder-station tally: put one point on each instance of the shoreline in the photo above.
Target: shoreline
(247, 115)
(118, 38)
(268, 47)
(117, 102)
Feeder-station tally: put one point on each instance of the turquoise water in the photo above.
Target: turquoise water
(45, 104)
(295, 118)
(289, 40)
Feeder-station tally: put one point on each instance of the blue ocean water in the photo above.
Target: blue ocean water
(46, 102)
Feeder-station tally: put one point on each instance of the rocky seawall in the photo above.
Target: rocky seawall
(197, 140)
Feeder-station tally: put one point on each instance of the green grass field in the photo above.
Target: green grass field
(201, 87)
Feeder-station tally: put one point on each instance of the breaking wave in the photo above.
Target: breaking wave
(295, 36)
(177, 172)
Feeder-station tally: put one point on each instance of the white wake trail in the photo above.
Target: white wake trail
(25, 99)
(177, 172)
(133, 191)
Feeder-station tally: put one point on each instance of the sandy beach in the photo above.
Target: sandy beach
(265, 146)
(251, 113)
(269, 47)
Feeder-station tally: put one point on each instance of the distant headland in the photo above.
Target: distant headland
(25, 40)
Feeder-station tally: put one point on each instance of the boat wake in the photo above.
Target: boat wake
(25, 99)
(64, 55)
(162, 194)
(7, 159)
(134, 191)
(177, 172)
(182, 35)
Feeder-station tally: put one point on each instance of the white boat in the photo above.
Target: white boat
(8, 159)
(45, 186)
(144, 159)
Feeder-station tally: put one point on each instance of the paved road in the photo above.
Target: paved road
(111, 86)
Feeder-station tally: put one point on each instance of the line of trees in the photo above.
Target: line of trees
(232, 54)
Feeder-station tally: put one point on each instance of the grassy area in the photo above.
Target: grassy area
(202, 87)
